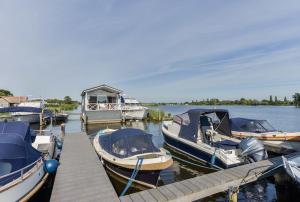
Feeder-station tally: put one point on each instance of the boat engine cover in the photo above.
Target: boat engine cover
(253, 148)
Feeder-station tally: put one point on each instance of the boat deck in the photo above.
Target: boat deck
(81, 176)
(207, 185)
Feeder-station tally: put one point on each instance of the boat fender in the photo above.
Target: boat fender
(50, 166)
(59, 143)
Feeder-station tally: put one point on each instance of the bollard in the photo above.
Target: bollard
(63, 131)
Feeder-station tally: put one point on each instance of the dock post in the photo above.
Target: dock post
(41, 119)
(233, 194)
(63, 131)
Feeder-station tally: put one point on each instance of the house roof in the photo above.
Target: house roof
(14, 99)
(103, 87)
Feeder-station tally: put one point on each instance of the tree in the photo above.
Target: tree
(67, 100)
(4, 92)
(285, 100)
(296, 97)
(276, 100)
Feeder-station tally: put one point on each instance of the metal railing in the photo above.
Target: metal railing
(103, 106)
(20, 173)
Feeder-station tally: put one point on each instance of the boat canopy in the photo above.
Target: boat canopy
(16, 151)
(195, 119)
(127, 142)
(26, 109)
(251, 125)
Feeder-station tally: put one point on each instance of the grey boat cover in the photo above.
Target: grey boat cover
(127, 142)
(194, 119)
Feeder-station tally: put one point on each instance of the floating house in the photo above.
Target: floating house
(10, 101)
(101, 104)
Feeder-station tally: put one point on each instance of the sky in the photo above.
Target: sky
(153, 50)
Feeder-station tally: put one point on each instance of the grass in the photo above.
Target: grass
(158, 115)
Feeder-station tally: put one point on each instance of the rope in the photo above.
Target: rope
(133, 175)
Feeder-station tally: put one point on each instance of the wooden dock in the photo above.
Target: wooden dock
(81, 176)
(207, 185)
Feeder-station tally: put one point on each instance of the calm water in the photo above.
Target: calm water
(277, 188)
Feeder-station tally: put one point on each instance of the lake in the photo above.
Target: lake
(277, 188)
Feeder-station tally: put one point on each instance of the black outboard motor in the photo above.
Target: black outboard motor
(253, 149)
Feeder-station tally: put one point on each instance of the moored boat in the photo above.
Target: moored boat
(122, 150)
(204, 135)
(260, 129)
(132, 109)
(292, 167)
(25, 161)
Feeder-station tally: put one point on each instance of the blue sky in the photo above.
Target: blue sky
(153, 50)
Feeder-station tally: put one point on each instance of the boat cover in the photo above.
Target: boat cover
(16, 151)
(26, 109)
(250, 125)
(127, 142)
(194, 119)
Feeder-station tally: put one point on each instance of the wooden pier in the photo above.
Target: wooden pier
(81, 176)
(207, 185)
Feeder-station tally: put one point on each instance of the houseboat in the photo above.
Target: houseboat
(101, 104)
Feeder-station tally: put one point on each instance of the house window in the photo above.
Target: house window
(112, 99)
(101, 99)
(93, 99)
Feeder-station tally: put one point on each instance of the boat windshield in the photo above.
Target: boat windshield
(258, 126)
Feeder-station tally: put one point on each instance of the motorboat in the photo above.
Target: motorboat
(204, 135)
(26, 157)
(132, 109)
(123, 151)
(30, 117)
(60, 117)
(292, 167)
(260, 129)
(26, 160)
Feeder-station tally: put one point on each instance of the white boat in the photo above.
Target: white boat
(292, 167)
(121, 150)
(30, 117)
(204, 135)
(26, 160)
(132, 109)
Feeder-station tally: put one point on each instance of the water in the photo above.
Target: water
(277, 188)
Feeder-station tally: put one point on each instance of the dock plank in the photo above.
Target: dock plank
(203, 186)
(81, 176)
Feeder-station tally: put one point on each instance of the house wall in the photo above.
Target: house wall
(4, 103)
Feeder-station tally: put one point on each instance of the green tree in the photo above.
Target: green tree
(285, 100)
(67, 100)
(276, 100)
(296, 97)
(4, 92)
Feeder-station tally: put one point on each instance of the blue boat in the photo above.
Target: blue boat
(204, 135)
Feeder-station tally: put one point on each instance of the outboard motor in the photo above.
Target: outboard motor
(253, 149)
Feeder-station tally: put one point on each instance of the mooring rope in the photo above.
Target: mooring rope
(133, 175)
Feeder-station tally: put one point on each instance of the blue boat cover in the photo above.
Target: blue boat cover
(250, 125)
(194, 119)
(26, 109)
(127, 142)
(16, 151)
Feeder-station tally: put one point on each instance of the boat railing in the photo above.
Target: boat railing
(19, 174)
(103, 106)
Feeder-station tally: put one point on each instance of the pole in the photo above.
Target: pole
(63, 131)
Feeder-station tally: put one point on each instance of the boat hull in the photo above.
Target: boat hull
(30, 118)
(23, 188)
(146, 178)
(272, 136)
(139, 114)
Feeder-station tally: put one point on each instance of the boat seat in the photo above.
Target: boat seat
(226, 145)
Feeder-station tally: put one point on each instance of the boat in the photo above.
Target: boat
(122, 150)
(204, 136)
(60, 117)
(30, 117)
(132, 109)
(292, 167)
(26, 160)
(260, 129)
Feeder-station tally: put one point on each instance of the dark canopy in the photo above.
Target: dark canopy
(26, 109)
(250, 125)
(194, 119)
(127, 142)
(16, 150)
